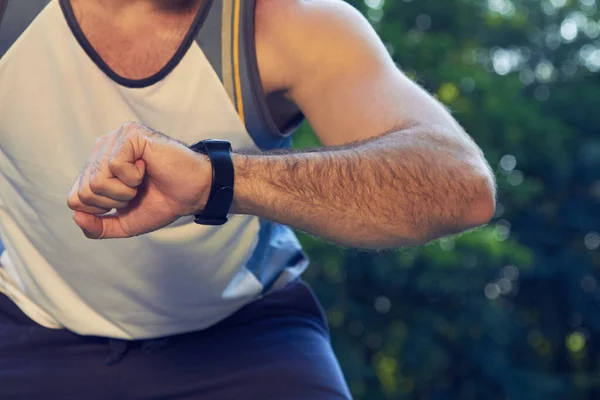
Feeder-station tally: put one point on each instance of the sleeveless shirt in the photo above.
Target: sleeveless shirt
(57, 97)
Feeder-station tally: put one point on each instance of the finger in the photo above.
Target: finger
(131, 175)
(88, 198)
(125, 160)
(101, 180)
(75, 204)
(95, 227)
(111, 188)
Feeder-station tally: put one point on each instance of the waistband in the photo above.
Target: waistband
(294, 300)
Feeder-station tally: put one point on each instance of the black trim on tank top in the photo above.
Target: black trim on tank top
(136, 83)
(258, 92)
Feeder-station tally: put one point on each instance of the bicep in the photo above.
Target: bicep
(345, 81)
(353, 106)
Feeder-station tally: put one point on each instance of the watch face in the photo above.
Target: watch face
(198, 148)
(211, 144)
(217, 144)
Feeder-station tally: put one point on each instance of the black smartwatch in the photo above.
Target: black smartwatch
(221, 191)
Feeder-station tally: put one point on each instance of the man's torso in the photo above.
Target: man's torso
(63, 83)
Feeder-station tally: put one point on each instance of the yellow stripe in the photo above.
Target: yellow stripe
(226, 49)
(236, 60)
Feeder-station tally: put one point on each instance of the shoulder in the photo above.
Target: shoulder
(299, 38)
(277, 14)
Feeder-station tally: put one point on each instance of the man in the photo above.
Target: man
(212, 309)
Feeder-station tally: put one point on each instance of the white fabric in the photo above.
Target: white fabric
(54, 103)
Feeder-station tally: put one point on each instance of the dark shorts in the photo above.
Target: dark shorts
(275, 348)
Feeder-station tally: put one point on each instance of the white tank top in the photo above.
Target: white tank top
(55, 101)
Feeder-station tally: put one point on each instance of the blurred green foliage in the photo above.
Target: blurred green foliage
(510, 310)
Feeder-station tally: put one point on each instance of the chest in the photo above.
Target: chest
(136, 45)
(135, 42)
(53, 111)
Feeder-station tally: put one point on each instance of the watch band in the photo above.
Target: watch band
(221, 191)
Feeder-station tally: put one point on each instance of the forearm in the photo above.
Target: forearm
(398, 190)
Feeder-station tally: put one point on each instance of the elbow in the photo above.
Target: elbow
(475, 210)
(482, 206)
(473, 205)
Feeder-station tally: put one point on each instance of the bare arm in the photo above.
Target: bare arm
(390, 192)
(397, 169)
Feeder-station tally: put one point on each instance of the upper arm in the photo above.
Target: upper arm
(337, 70)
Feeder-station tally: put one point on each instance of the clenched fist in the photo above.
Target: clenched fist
(150, 180)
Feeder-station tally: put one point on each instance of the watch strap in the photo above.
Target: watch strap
(221, 191)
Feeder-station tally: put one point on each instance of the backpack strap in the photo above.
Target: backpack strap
(227, 38)
(15, 17)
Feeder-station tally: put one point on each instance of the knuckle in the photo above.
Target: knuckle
(97, 185)
(73, 203)
(86, 196)
(114, 164)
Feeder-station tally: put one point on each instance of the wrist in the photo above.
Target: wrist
(243, 188)
(203, 171)
(218, 204)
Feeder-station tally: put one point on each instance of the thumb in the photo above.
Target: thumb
(100, 227)
(126, 159)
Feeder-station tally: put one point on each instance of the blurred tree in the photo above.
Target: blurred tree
(508, 311)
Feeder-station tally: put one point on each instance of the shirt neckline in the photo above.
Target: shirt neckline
(201, 15)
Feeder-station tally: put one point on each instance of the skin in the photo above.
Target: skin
(396, 169)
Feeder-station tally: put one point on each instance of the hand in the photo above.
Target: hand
(150, 179)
